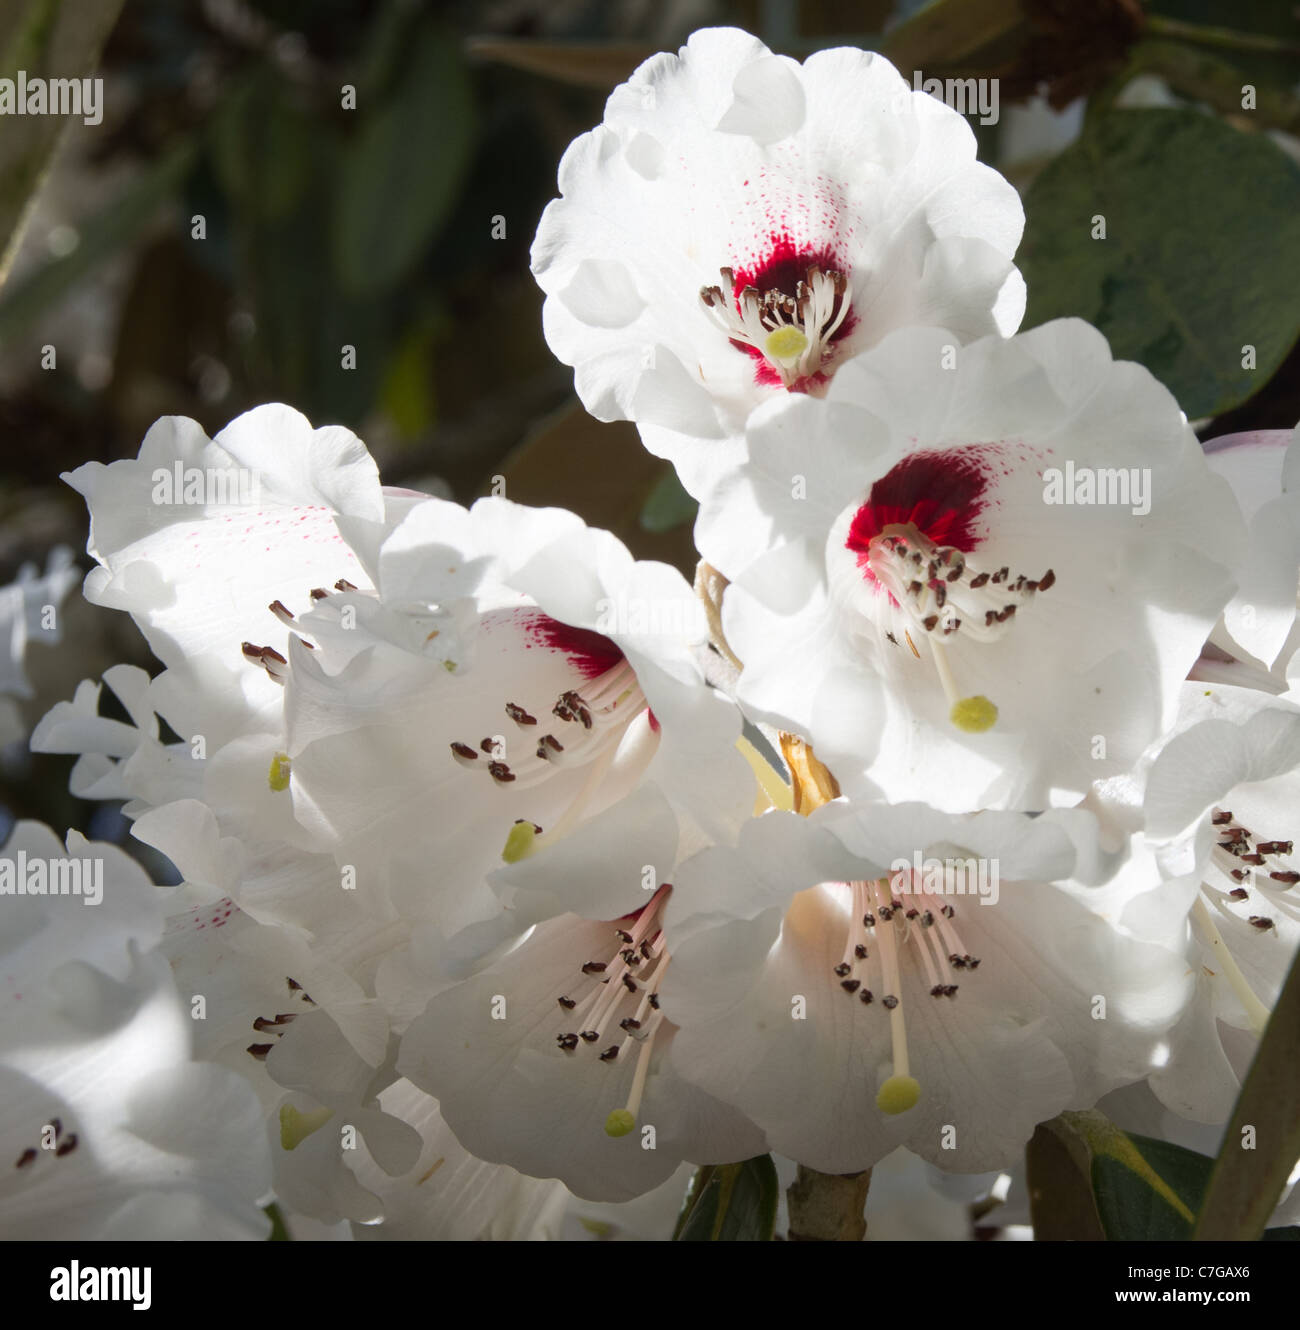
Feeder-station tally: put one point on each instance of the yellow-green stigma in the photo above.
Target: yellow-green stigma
(521, 841)
(786, 344)
(898, 1094)
(619, 1123)
(973, 715)
(279, 777)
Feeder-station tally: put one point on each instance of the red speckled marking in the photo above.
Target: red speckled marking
(590, 654)
(942, 494)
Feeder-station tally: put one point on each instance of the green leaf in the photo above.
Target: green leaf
(1246, 1182)
(1150, 1193)
(1201, 249)
(668, 505)
(47, 39)
(261, 148)
(1142, 1189)
(736, 1204)
(114, 226)
(400, 173)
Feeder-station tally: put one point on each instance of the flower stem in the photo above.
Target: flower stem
(828, 1207)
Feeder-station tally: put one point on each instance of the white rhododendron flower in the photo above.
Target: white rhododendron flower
(938, 601)
(110, 1129)
(556, 1060)
(1218, 803)
(30, 609)
(1260, 624)
(936, 977)
(740, 225)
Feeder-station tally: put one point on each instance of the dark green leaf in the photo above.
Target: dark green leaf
(737, 1204)
(1132, 1209)
(116, 225)
(45, 38)
(1246, 1182)
(400, 173)
(1201, 255)
(668, 505)
(261, 148)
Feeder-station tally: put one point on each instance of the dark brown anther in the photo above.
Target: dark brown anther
(1274, 846)
(938, 990)
(25, 1158)
(865, 997)
(1239, 893)
(957, 962)
(567, 1003)
(270, 653)
(549, 744)
(66, 1147)
(1220, 817)
(973, 962)
(647, 951)
(252, 652)
(630, 984)
(318, 593)
(589, 1036)
(464, 751)
(927, 918)
(950, 990)
(851, 985)
(568, 1042)
(259, 1051)
(343, 585)
(889, 1002)
(947, 911)
(868, 920)
(610, 1053)
(1286, 877)
(277, 607)
(977, 582)
(842, 969)
(629, 1023)
(886, 913)
(623, 935)
(654, 1001)
(594, 967)
(912, 913)
(629, 956)
(501, 773)
(1262, 922)
(930, 622)
(1047, 581)
(860, 952)
(1239, 874)
(1256, 859)
(519, 715)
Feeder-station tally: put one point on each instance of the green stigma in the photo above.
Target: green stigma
(279, 779)
(295, 1127)
(619, 1123)
(519, 843)
(898, 1094)
(973, 715)
(786, 344)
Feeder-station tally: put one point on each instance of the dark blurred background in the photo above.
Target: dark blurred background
(402, 228)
